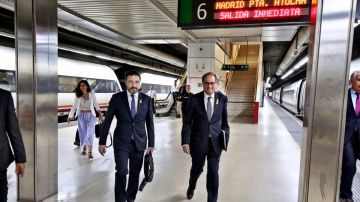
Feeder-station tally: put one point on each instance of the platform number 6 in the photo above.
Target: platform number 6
(201, 13)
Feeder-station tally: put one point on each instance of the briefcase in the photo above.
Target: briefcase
(223, 140)
(98, 128)
(148, 170)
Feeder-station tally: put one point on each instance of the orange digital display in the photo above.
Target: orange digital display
(214, 13)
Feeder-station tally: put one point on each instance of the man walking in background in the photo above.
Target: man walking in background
(152, 94)
(351, 147)
(9, 131)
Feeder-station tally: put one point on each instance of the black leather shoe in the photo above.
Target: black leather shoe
(90, 155)
(346, 200)
(190, 193)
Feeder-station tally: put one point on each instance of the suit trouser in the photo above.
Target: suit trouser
(135, 159)
(350, 153)
(212, 177)
(3, 186)
(153, 105)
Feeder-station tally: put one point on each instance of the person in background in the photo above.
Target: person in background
(133, 111)
(9, 134)
(152, 94)
(184, 98)
(204, 120)
(351, 147)
(84, 104)
(175, 95)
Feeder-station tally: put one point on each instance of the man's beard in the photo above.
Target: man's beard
(133, 90)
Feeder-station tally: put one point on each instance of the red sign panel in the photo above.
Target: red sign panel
(215, 13)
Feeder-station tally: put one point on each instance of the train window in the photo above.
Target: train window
(104, 86)
(67, 84)
(92, 83)
(7, 80)
(163, 89)
(117, 88)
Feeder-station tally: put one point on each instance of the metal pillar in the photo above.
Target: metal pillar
(203, 58)
(37, 86)
(326, 96)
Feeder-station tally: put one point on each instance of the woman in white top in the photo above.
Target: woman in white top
(84, 104)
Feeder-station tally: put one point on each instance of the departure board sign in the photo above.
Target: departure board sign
(235, 67)
(193, 14)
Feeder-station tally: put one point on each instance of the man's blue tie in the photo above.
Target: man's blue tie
(133, 110)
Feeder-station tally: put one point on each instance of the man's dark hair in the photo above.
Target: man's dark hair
(209, 74)
(132, 73)
(77, 90)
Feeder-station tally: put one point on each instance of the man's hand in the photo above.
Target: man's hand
(69, 119)
(150, 150)
(186, 148)
(102, 149)
(101, 117)
(20, 169)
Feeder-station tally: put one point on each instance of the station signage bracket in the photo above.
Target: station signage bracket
(202, 14)
(233, 67)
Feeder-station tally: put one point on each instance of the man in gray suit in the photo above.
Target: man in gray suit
(9, 133)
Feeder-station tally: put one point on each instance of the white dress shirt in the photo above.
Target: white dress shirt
(136, 97)
(211, 101)
(353, 97)
(151, 93)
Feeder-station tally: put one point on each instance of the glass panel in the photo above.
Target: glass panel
(7, 80)
(67, 84)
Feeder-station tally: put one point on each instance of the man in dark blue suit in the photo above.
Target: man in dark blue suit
(133, 111)
(205, 119)
(9, 131)
(351, 141)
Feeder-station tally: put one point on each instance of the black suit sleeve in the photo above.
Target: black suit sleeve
(187, 122)
(225, 123)
(13, 131)
(150, 125)
(108, 119)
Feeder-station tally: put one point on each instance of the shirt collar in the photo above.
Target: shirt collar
(129, 94)
(206, 96)
(353, 91)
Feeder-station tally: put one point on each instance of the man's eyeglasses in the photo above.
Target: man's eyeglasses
(209, 83)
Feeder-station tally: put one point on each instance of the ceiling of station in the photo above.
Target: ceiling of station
(155, 22)
(152, 21)
(273, 54)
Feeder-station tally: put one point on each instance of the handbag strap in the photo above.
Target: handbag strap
(111, 141)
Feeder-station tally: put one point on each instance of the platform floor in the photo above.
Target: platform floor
(262, 165)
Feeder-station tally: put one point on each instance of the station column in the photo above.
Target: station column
(37, 86)
(325, 105)
(203, 58)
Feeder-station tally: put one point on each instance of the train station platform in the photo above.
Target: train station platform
(262, 164)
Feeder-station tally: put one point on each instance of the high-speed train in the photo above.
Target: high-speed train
(101, 78)
(292, 97)
(161, 85)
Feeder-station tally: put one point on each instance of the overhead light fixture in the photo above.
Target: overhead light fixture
(74, 50)
(302, 62)
(6, 34)
(287, 74)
